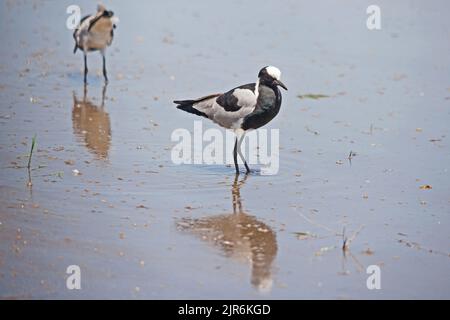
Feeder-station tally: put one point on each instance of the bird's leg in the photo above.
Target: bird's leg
(241, 138)
(104, 68)
(235, 157)
(85, 68)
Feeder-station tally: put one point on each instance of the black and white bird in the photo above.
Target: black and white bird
(95, 33)
(244, 108)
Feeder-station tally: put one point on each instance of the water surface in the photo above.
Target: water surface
(104, 194)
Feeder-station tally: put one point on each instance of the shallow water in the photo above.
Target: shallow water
(140, 226)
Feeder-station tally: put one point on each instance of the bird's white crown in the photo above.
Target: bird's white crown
(115, 20)
(274, 72)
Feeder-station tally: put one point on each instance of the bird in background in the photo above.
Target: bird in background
(95, 33)
(241, 109)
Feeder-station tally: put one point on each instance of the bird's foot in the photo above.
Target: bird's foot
(247, 171)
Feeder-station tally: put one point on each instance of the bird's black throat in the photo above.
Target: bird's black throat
(267, 107)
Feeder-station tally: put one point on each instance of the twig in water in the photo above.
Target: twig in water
(350, 156)
(29, 183)
(318, 224)
(312, 131)
(344, 241)
(347, 241)
(33, 143)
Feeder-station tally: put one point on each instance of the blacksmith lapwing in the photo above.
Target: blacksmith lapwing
(244, 108)
(95, 33)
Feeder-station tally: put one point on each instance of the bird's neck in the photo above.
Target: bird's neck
(274, 88)
(257, 89)
(266, 84)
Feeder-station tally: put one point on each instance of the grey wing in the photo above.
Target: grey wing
(238, 98)
(228, 109)
(84, 24)
(231, 107)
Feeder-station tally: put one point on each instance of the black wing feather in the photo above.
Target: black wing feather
(75, 33)
(229, 102)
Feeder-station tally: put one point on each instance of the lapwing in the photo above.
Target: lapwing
(244, 108)
(95, 33)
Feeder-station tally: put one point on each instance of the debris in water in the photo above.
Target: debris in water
(351, 155)
(312, 131)
(304, 235)
(69, 162)
(313, 96)
(324, 250)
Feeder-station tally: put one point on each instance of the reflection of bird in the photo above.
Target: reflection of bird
(92, 124)
(239, 236)
(247, 107)
(95, 33)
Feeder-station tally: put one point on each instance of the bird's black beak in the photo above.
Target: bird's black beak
(281, 84)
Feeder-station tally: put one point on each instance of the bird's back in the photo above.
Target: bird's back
(101, 34)
(228, 109)
(95, 33)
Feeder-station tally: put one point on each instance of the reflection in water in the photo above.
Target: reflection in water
(241, 237)
(91, 123)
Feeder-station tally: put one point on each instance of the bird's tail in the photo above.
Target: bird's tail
(198, 107)
(188, 106)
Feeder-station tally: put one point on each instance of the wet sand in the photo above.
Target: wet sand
(104, 194)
